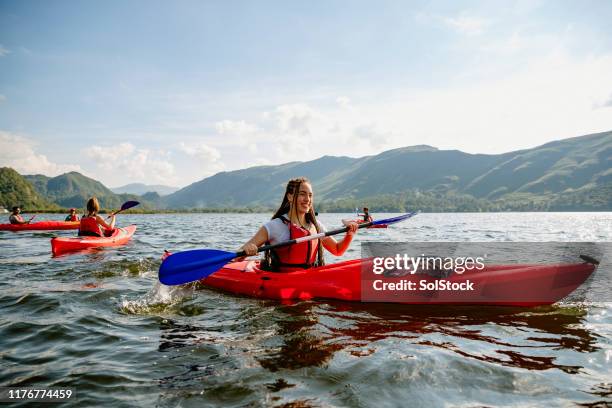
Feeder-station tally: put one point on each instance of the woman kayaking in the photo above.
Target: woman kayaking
(92, 224)
(72, 216)
(16, 218)
(296, 218)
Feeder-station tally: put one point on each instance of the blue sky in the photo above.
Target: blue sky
(172, 92)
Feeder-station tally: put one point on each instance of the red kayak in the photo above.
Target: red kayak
(41, 226)
(509, 285)
(119, 236)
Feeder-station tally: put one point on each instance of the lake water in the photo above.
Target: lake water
(100, 323)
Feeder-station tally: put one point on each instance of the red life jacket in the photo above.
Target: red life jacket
(72, 218)
(89, 226)
(297, 256)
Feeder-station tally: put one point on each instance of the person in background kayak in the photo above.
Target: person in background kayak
(92, 224)
(296, 218)
(16, 218)
(72, 216)
(366, 215)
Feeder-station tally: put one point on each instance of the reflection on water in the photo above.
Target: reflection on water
(301, 344)
(290, 338)
(348, 326)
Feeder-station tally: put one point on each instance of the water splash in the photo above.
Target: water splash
(160, 300)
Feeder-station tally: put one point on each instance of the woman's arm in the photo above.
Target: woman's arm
(103, 223)
(260, 238)
(339, 248)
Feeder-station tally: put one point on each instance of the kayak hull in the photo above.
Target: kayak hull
(41, 226)
(508, 285)
(119, 237)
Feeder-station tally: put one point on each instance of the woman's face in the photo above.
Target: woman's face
(304, 199)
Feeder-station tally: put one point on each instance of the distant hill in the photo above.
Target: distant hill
(74, 189)
(255, 186)
(140, 189)
(570, 174)
(15, 190)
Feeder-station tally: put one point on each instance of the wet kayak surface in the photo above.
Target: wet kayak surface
(98, 322)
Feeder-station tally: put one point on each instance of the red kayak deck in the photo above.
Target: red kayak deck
(511, 285)
(41, 226)
(120, 236)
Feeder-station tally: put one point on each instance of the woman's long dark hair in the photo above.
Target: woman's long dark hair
(293, 187)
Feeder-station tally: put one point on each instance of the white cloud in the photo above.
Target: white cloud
(296, 119)
(18, 152)
(466, 25)
(4, 51)
(206, 159)
(123, 163)
(235, 128)
(2, 98)
(373, 135)
(105, 156)
(343, 101)
(241, 134)
(200, 151)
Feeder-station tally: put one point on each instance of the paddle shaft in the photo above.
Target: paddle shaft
(306, 238)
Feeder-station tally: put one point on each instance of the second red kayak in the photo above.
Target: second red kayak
(510, 285)
(120, 236)
(41, 226)
(372, 226)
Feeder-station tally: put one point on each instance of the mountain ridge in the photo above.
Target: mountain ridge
(142, 188)
(573, 174)
(548, 170)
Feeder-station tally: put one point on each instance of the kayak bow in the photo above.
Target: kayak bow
(119, 237)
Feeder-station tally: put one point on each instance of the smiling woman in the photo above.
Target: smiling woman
(295, 218)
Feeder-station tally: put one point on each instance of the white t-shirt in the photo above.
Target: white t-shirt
(278, 231)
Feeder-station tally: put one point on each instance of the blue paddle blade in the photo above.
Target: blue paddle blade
(189, 266)
(395, 219)
(128, 205)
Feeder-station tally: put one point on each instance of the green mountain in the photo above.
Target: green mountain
(74, 189)
(252, 187)
(140, 189)
(570, 174)
(16, 190)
